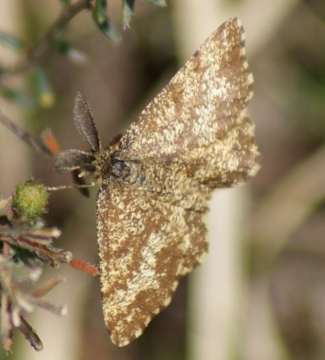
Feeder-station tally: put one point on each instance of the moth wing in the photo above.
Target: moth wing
(145, 246)
(199, 119)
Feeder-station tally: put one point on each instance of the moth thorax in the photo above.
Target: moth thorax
(128, 171)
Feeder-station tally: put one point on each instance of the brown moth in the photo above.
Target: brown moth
(156, 179)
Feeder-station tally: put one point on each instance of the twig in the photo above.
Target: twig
(23, 135)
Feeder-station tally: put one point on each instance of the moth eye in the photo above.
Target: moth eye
(104, 186)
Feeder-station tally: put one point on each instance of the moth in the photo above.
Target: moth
(156, 179)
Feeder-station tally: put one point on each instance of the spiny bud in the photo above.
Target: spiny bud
(29, 200)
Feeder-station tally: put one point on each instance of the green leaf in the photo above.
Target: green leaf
(44, 90)
(70, 51)
(11, 42)
(157, 2)
(102, 21)
(17, 97)
(109, 30)
(100, 11)
(127, 11)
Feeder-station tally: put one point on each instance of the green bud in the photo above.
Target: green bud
(29, 200)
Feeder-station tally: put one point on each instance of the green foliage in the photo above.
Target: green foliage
(17, 96)
(54, 39)
(70, 51)
(103, 22)
(11, 42)
(25, 245)
(157, 2)
(43, 87)
(127, 10)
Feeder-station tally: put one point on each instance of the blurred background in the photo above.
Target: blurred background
(261, 292)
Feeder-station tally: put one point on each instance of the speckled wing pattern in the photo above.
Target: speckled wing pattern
(150, 245)
(193, 137)
(199, 119)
